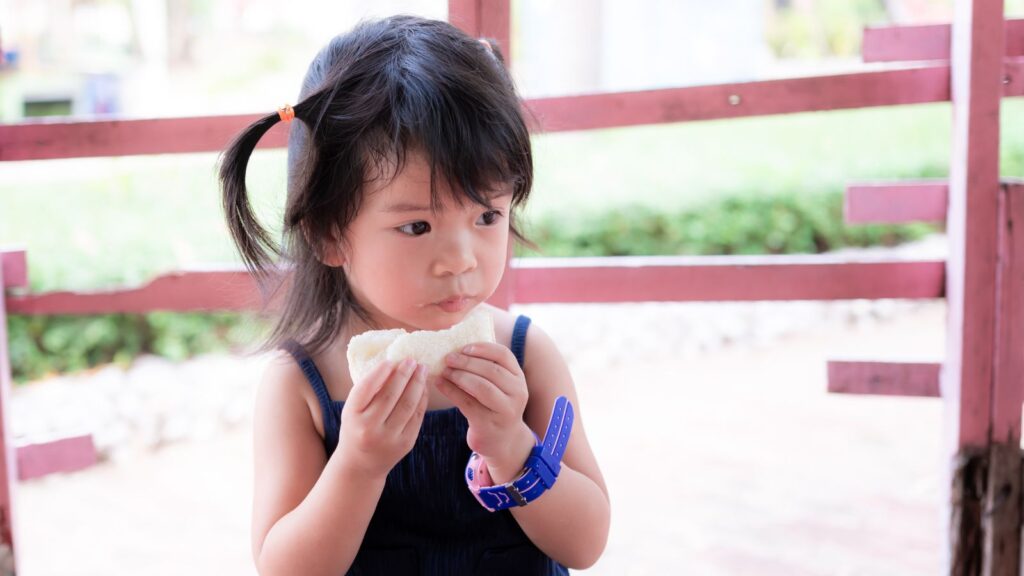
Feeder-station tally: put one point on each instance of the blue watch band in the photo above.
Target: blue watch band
(541, 468)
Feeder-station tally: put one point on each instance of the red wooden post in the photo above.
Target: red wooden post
(8, 464)
(982, 540)
(485, 19)
(1003, 506)
(972, 217)
(1009, 365)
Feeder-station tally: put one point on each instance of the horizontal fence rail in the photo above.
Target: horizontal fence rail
(896, 202)
(563, 280)
(925, 42)
(884, 378)
(912, 85)
(15, 268)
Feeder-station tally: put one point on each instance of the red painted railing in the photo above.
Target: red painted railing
(983, 279)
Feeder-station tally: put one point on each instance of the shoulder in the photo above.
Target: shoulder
(284, 393)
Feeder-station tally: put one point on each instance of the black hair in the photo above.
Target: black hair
(371, 96)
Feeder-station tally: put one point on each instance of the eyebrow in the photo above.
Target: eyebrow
(406, 207)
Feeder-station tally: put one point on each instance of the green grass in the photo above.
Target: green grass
(89, 223)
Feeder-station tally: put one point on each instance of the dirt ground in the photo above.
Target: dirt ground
(733, 461)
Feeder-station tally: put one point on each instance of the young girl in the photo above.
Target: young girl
(407, 159)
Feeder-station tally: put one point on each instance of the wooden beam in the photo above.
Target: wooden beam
(896, 202)
(723, 278)
(1008, 378)
(44, 140)
(972, 218)
(918, 85)
(551, 280)
(8, 461)
(15, 268)
(1002, 518)
(842, 91)
(50, 140)
(967, 501)
(925, 42)
(972, 225)
(61, 455)
(884, 378)
(191, 291)
(485, 19)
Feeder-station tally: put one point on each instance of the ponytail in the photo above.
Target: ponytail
(255, 245)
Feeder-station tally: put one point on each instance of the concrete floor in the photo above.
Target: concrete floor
(734, 461)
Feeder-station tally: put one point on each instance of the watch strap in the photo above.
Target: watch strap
(539, 473)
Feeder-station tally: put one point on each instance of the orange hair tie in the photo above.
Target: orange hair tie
(286, 113)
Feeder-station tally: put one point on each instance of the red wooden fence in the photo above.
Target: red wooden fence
(974, 63)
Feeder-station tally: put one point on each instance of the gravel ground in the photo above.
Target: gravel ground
(759, 470)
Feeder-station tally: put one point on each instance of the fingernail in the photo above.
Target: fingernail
(453, 358)
(408, 364)
(468, 349)
(421, 371)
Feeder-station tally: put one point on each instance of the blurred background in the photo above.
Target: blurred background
(166, 395)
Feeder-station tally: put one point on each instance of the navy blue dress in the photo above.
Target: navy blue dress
(427, 521)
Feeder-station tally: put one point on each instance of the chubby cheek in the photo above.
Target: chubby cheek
(493, 265)
(398, 278)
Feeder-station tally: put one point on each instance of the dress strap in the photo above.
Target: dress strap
(330, 416)
(519, 338)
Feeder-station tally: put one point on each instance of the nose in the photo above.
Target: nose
(455, 256)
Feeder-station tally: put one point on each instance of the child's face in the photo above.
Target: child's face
(414, 268)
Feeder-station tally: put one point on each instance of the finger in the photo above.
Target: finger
(416, 421)
(497, 353)
(364, 391)
(469, 406)
(485, 368)
(385, 399)
(410, 398)
(483, 391)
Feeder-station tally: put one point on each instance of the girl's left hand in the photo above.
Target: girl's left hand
(487, 385)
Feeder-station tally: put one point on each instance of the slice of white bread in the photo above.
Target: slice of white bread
(428, 347)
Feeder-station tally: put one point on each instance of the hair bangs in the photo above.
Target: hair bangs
(474, 139)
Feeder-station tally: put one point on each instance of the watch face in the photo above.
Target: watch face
(478, 478)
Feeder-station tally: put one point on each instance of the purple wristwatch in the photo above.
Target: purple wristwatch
(539, 473)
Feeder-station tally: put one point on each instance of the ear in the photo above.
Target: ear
(330, 251)
(333, 255)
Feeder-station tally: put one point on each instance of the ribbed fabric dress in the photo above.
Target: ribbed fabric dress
(426, 521)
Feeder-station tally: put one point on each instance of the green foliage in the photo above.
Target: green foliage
(779, 224)
(821, 29)
(44, 345)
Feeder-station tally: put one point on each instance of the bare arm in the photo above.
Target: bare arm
(310, 514)
(570, 522)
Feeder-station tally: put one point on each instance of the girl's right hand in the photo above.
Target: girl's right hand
(382, 416)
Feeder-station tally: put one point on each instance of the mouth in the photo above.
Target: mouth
(454, 304)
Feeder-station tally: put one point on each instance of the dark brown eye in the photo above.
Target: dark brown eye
(490, 217)
(415, 228)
